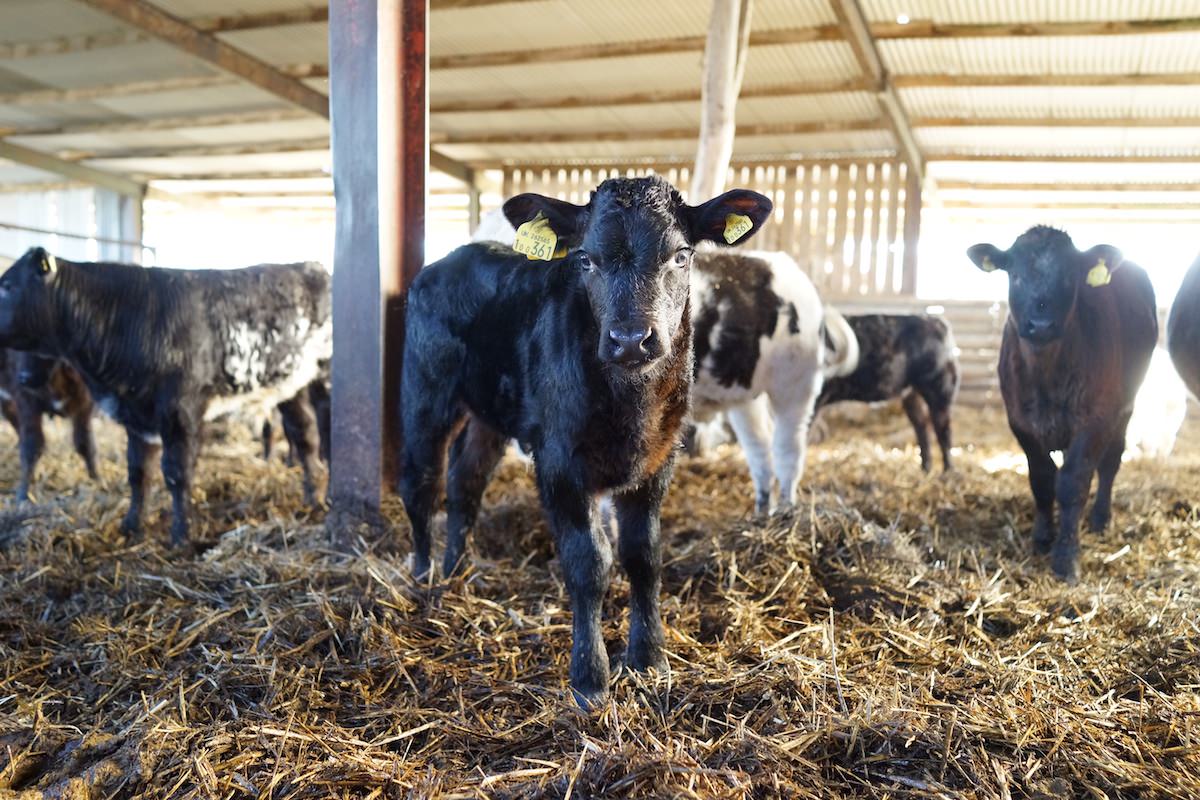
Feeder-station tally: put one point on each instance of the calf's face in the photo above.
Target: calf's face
(632, 244)
(1045, 275)
(24, 300)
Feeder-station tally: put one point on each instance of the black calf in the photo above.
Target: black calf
(161, 349)
(587, 362)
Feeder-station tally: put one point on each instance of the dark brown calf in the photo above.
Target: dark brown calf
(31, 386)
(1077, 344)
(1183, 329)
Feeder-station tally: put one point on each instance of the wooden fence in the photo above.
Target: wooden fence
(843, 221)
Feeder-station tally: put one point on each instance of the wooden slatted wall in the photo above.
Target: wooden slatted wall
(843, 221)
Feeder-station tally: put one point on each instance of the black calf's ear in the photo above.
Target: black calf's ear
(1099, 263)
(566, 219)
(988, 257)
(728, 219)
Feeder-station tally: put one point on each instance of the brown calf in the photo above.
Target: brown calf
(31, 386)
(1077, 343)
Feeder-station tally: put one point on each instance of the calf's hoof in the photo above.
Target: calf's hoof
(420, 568)
(131, 529)
(1043, 537)
(179, 537)
(762, 503)
(1065, 567)
(590, 699)
(1098, 520)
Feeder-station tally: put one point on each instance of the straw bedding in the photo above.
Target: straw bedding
(892, 638)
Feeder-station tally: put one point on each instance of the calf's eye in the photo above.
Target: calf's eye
(585, 261)
(683, 257)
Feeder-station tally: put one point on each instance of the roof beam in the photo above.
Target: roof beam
(1011, 186)
(1072, 158)
(128, 125)
(38, 97)
(76, 172)
(609, 135)
(446, 5)
(854, 26)
(983, 81)
(203, 150)
(685, 44)
(637, 98)
(175, 31)
(124, 36)
(1056, 122)
(1113, 205)
(227, 23)
(927, 29)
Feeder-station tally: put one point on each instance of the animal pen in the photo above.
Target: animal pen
(893, 635)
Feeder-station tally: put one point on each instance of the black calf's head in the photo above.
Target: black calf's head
(25, 300)
(633, 244)
(1045, 276)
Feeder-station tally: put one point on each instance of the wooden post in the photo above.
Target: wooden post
(724, 65)
(358, 282)
(912, 231)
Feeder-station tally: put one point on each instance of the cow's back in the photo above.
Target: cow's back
(754, 314)
(1183, 329)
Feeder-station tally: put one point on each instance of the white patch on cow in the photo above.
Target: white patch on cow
(495, 227)
(1158, 410)
(789, 373)
(245, 363)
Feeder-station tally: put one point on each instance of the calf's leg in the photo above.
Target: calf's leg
(300, 428)
(751, 424)
(1110, 464)
(586, 558)
(473, 458)
(1043, 473)
(914, 406)
(1074, 481)
(640, 550)
(137, 453)
(180, 435)
(32, 441)
(85, 443)
(794, 406)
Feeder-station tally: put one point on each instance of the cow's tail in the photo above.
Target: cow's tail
(841, 345)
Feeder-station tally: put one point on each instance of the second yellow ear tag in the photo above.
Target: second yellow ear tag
(1099, 274)
(536, 239)
(987, 265)
(736, 226)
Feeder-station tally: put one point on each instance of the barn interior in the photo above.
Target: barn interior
(892, 638)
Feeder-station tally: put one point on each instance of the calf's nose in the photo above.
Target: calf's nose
(628, 342)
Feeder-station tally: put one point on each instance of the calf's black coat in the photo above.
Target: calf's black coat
(156, 346)
(904, 355)
(587, 362)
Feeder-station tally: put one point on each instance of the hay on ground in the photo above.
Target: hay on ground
(891, 638)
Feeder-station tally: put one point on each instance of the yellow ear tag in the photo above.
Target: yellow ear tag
(536, 239)
(1099, 274)
(736, 226)
(987, 265)
(49, 264)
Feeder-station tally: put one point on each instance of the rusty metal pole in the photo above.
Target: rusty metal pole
(404, 134)
(357, 392)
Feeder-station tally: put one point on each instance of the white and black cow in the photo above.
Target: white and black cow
(761, 333)
(911, 356)
(161, 350)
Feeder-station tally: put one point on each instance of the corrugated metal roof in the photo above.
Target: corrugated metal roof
(1009, 11)
(533, 24)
